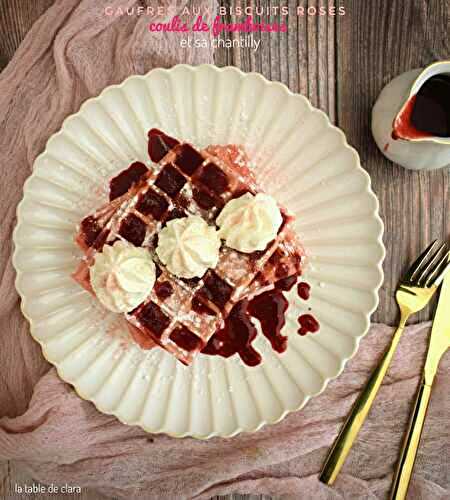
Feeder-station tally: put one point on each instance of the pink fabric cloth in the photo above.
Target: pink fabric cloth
(62, 438)
(72, 53)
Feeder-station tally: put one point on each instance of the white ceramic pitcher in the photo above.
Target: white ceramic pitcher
(425, 153)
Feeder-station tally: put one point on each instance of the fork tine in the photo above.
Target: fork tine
(440, 270)
(431, 264)
(415, 266)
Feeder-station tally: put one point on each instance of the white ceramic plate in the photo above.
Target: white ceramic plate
(301, 159)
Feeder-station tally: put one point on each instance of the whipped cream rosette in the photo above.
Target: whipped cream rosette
(250, 222)
(188, 247)
(122, 276)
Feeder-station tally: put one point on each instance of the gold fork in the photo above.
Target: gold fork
(413, 294)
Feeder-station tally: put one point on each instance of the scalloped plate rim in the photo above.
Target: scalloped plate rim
(374, 215)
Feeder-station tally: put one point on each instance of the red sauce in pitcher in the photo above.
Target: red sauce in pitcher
(427, 113)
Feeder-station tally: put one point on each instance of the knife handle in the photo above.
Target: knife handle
(411, 443)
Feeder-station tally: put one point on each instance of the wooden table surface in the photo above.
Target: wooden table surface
(341, 64)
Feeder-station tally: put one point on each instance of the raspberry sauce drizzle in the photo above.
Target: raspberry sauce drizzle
(122, 182)
(90, 230)
(159, 144)
(286, 283)
(235, 337)
(269, 308)
(303, 290)
(307, 324)
(163, 290)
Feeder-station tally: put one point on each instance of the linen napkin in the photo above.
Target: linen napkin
(73, 52)
(62, 439)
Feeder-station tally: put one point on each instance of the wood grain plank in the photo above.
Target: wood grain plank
(303, 58)
(377, 41)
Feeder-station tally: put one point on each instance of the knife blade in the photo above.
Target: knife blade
(440, 332)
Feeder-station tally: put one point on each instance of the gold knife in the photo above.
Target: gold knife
(439, 343)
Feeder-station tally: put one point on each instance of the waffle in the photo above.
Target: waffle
(181, 315)
(122, 188)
